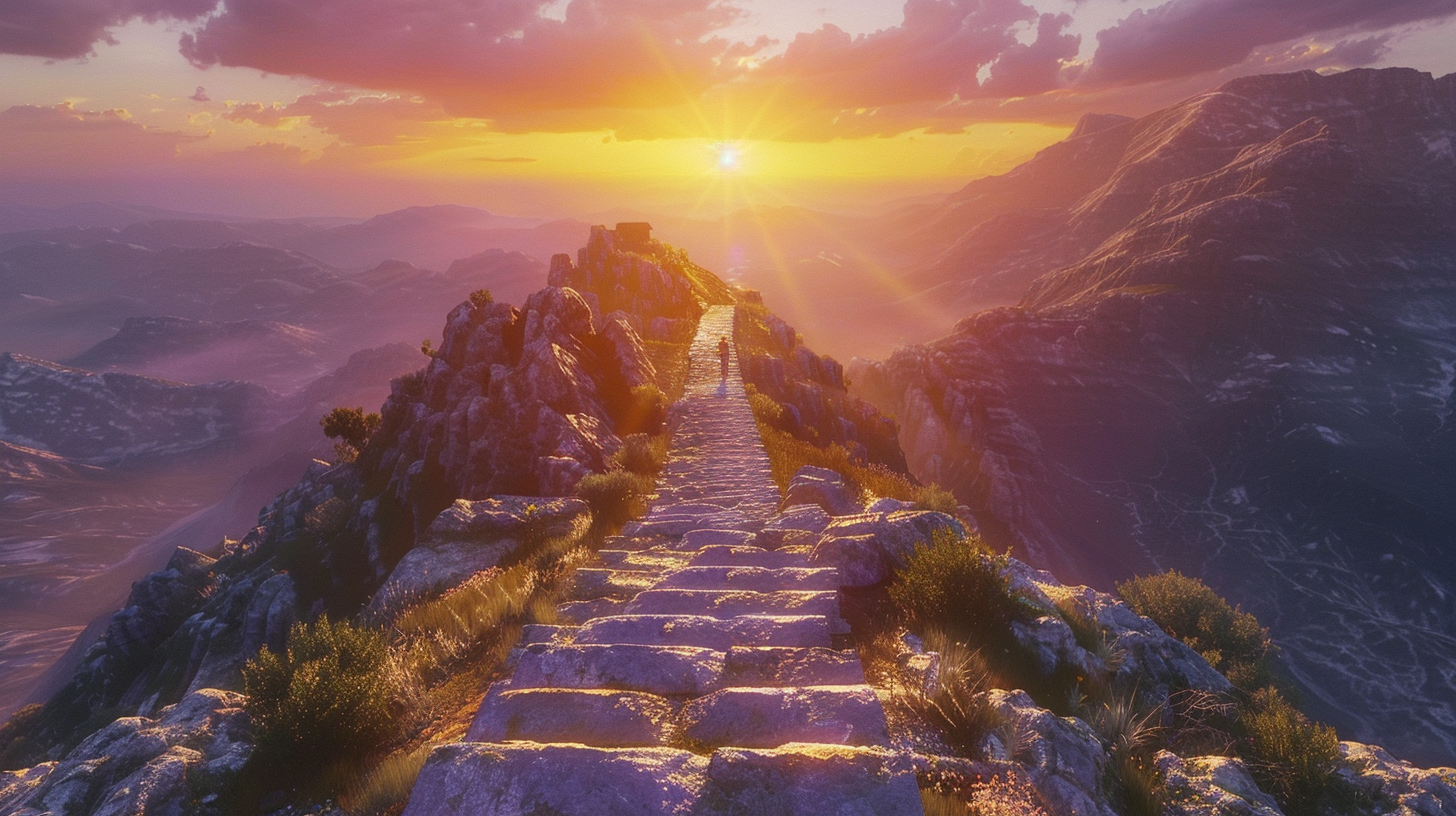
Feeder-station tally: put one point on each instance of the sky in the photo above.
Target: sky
(563, 107)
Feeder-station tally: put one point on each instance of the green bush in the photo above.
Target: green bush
(957, 586)
(333, 695)
(615, 497)
(934, 497)
(642, 454)
(481, 298)
(643, 411)
(1230, 639)
(352, 427)
(1291, 758)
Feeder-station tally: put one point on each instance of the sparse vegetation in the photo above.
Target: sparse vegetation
(1230, 639)
(957, 586)
(387, 787)
(996, 796)
(956, 707)
(787, 454)
(1131, 731)
(642, 454)
(481, 298)
(934, 497)
(1291, 757)
(615, 497)
(352, 428)
(334, 694)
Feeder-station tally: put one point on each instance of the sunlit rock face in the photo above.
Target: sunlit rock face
(1250, 380)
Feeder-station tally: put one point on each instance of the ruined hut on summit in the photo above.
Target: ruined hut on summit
(633, 235)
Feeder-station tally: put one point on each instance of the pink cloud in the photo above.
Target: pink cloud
(67, 29)
(480, 57)
(66, 141)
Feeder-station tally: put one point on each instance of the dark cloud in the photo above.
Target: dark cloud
(1025, 70)
(67, 29)
(1190, 37)
(200, 95)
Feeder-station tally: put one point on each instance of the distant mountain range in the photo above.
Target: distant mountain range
(1233, 355)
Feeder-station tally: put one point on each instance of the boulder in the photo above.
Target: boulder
(866, 548)
(822, 487)
(1414, 791)
(1212, 786)
(1065, 760)
(470, 537)
(138, 765)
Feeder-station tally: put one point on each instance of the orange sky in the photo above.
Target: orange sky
(565, 107)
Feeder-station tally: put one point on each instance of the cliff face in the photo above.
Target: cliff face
(1248, 379)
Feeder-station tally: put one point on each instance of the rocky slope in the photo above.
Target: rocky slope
(266, 352)
(1236, 362)
(111, 417)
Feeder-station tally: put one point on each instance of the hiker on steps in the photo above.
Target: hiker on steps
(723, 353)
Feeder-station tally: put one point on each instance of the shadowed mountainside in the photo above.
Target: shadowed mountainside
(1249, 378)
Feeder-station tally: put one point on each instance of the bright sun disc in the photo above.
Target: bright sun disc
(728, 158)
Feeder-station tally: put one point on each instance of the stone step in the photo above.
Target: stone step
(779, 666)
(590, 583)
(754, 579)
(600, 717)
(513, 779)
(746, 557)
(583, 611)
(713, 633)
(771, 717)
(805, 779)
(698, 539)
(665, 670)
(544, 633)
(642, 559)
(723, 603)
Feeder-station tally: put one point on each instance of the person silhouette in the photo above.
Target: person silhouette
(723, 353)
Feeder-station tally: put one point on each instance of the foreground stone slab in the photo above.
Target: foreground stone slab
(667, 670)
(531, 779)
(807, 780)
(771, 717)
(713, 633)
(626, 719)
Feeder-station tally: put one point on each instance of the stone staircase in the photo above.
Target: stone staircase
(699, 676)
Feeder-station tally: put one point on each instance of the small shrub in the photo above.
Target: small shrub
(1230, 639)
(615, 497)
(1291, 757)
(17, 735)
(934, 497)
(481, 298)
(957, 586)
(997, 796)
(787, 453)
(1131, 732)
(352, 428)
(427, 347)
(333, 695)
(642, 454)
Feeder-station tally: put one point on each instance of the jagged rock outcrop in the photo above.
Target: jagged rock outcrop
(1241, 372)
(651, 288)
(166, 766)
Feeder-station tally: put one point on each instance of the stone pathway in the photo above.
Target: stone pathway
(698, 677)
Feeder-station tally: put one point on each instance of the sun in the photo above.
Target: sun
(729, 157)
